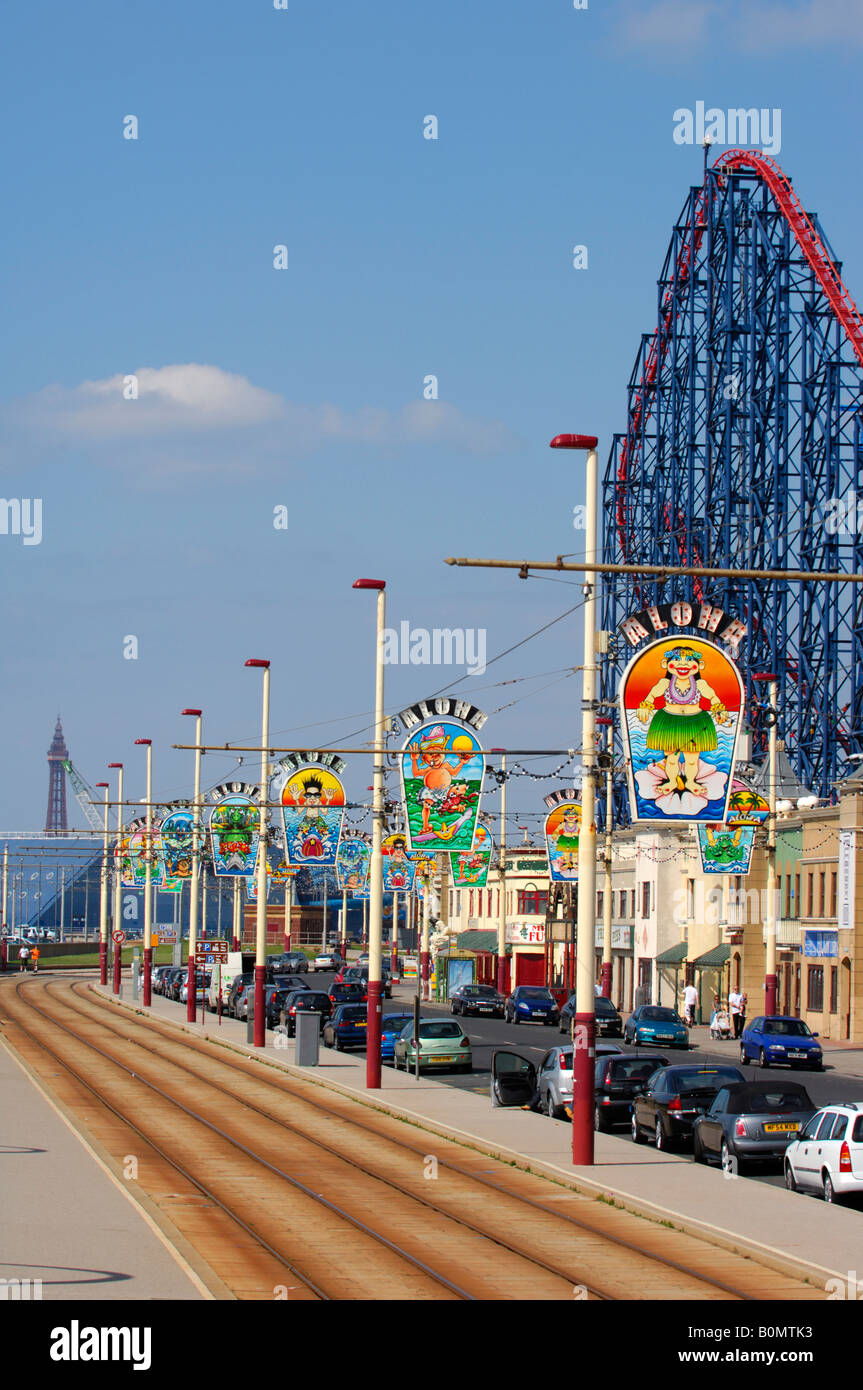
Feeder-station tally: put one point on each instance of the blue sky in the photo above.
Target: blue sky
(303, 387)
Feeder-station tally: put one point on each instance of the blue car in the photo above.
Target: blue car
(651, 1023)
(391, 1026)
(781, 1039)
(531, 1004)
(347, 1026)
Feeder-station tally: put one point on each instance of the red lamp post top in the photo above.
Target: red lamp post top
(764, 676)
(254, 661)
(574, 441)
(115, 764)
(369, 584)
(147, 741)
(103, 784)
(191, 711)
(601, 719)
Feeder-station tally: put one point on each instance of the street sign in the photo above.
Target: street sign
(217, 950)
(118, 936)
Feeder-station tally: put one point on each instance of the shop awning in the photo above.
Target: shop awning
(675, 955)
(476, 941)
(713, 959)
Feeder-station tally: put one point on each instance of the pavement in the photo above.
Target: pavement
(60, 1205)
(783, 1230)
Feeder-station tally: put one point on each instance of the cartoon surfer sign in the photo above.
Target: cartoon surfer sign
(442, 767)
(681, 705)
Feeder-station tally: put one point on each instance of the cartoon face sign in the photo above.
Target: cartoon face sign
(352, 863)
(681, 708)
(726, 849)
(562, 827)
(442, 767)
(398, 866)
(470, 868)
(177, 844)
(313, 807)
(234, 836)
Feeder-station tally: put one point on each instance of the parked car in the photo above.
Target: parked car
(608, 1020)
(652, 1023)
(618, 1079)
(326, 960)
(272, 992)
(289, 963)
(243, 982)
(781, 1039)
(174, 980)
(202, 984)
(827, 1157)
(477, 999)
(360, 975)
(675, 1096)
(353, 992)
(751, 1121)
(392, 1025)
(442, 1043)
(304, 1000)
(347, 1026)
(531, 1004)
(157, 978)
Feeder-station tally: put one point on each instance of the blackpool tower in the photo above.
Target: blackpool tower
(55, 820)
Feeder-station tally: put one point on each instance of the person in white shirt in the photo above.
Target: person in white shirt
(690, 1004)
(735, 1008)
(23, 958)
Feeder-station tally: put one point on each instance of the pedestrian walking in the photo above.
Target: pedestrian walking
(736, 1008)
(35, 958)
(23, 958)
(690, 1004)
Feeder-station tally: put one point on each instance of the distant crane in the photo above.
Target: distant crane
(84, 795)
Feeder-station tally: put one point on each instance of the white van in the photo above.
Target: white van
(223, 976)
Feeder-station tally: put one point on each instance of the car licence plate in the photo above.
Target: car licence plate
(790, 1128)
(798, 1056)
(538, 1013)
(664, 1037)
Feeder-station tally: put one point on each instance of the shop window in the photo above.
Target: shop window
(645, 899)
(834, 989)
(815, 988)
(833, 893)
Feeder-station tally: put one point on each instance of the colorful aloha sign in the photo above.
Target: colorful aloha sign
(470, 868)
(313, 808)
(681, 710)
(562, 828)
(442, 766)
(726, 849)
(352, 863)
(235, 830)
(177, 847)
(399, 867)
(745, 806)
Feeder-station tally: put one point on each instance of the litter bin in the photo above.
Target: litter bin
(308, 1039)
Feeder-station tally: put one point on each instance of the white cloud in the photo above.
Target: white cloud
(188, 400)
(750, 26)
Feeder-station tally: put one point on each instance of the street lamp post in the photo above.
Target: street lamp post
(772, 682)
(148, 878)
(376, 896)
(261, 904)
(194, 883)
(116, 918)
(607, 901)
(501, 904)
(584, 1021)
(103, 897)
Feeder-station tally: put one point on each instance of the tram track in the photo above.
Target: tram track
(514, 1236)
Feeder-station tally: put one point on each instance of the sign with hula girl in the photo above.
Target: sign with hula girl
(681, 705)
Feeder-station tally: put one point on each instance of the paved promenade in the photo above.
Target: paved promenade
(65, 1219)
(783, 1229)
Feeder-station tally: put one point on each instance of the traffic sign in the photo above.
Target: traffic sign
(118, 936)
(217, 950)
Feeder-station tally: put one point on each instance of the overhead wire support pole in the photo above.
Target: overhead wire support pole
(660, 571)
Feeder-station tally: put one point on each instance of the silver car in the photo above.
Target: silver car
(554, 1083)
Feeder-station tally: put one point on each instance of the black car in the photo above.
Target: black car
(752, 1121)
(361, 972)
(674, 1098)
(242, 982)
(173, 981)
(477, 999)
(618, 1079)
(608, 1021)
(304, 1000)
